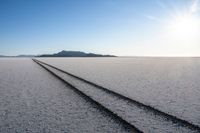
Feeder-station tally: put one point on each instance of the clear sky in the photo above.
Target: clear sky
(120, 27)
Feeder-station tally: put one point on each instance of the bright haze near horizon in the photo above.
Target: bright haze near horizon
(118, 27)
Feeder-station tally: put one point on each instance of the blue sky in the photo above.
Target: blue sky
(120, 27)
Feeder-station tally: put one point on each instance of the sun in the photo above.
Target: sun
(184, 26)
(181, 30)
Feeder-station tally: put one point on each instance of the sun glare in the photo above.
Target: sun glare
(185, 26)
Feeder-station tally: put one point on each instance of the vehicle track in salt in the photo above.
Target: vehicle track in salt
(139, 115)
(91, 100)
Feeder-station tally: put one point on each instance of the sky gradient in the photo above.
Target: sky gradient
(119, 27)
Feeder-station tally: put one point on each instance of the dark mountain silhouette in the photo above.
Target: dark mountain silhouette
(74, 54)
(18, 56)
(3, 56)
(25, 56)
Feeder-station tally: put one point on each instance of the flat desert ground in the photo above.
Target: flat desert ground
(35, 97)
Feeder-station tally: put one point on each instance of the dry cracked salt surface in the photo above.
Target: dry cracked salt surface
(32, 100)
(168, 84)
(145, 119)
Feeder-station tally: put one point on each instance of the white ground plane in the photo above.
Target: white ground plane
(168, 84)
(145, 117)
(100, 95)
(32, 101)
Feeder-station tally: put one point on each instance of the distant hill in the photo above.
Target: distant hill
(74, 54)
(18, 56)
(3, 56)
(25, 56)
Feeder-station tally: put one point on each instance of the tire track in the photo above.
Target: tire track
(91, 100)
(158, 120)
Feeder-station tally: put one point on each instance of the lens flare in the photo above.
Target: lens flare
(184, 27)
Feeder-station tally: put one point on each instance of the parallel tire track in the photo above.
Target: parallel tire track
(169, 117)
(91, 100)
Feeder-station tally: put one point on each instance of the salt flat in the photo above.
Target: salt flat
(168, 84)
(143, 117)
(32, 100)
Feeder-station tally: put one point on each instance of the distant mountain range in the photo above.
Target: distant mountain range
(19, 56)
(65, 54)
(4, 56)
(25, 56)
(74, 54)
